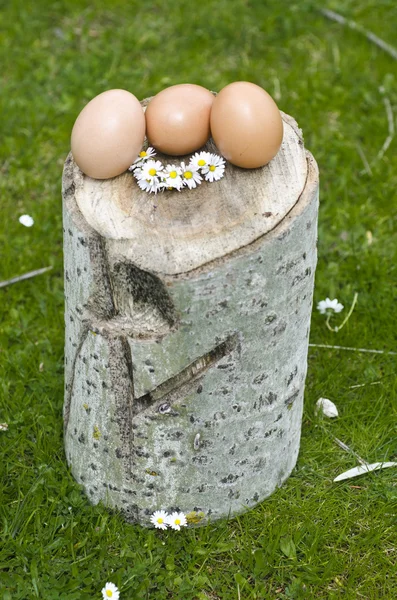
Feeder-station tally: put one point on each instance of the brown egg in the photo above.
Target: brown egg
(178, 119)
(246, 125)
(108, 134)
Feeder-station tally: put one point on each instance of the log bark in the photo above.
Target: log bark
(187, 323)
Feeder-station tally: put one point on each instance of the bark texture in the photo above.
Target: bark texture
(187, 332)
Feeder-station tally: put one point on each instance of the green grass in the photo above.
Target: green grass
(312, 538)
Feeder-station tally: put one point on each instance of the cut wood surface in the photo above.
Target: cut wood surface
(175, 232)
(187, 333)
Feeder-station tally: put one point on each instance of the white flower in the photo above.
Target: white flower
(200, 159)
(3, 426)
(142, 157)
(110, 591)
(327, 407)
(172, 177)
(190, 175)
(159, 519)
(325, 305)
(137, 171)
(215, 168)
(149, 176)
(146, 154)
(153, 176)
(26, 220)
(151, 170)
(151, 186)
(177, 520)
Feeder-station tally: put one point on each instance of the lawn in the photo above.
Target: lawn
(313, 538)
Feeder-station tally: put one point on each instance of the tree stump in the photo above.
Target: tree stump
(187, 325)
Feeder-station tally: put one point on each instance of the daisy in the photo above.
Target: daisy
(200, 159)
(177, 520)
(152, 187)
(137, 170)
(327, 305)
(110, 591)
(172, 177)
(215, 168)
(159, 519)
(146, 154)
(142, 157)
(190, 175)
(151, 170)
(26, 220)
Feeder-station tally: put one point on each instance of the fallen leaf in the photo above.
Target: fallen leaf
(356, 471)
(287, 546)
(327, 407)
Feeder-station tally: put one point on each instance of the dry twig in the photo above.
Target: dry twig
(333, 16)
(390, 124)
(24, 276)
(353, 349)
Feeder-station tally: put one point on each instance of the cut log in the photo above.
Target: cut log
(187, 324)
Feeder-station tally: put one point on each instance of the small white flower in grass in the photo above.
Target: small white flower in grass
(151, 170)
(110, 591)
(26, 220)
(328, 306)
(190, 175)
(327, 407)
(177, 520)
(172, 177)
(215, 168)
(159, 519)
(200, 159)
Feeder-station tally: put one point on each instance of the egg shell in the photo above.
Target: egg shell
(178, 119)
(246, 125)
(108, 134)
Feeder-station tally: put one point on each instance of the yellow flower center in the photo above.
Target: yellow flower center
(201, 162)
(212, 168)
(109, 593)
(173, 174)
(152, 172)
(160, 520)
(177, 521)
(143, 154)
(188, 174)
